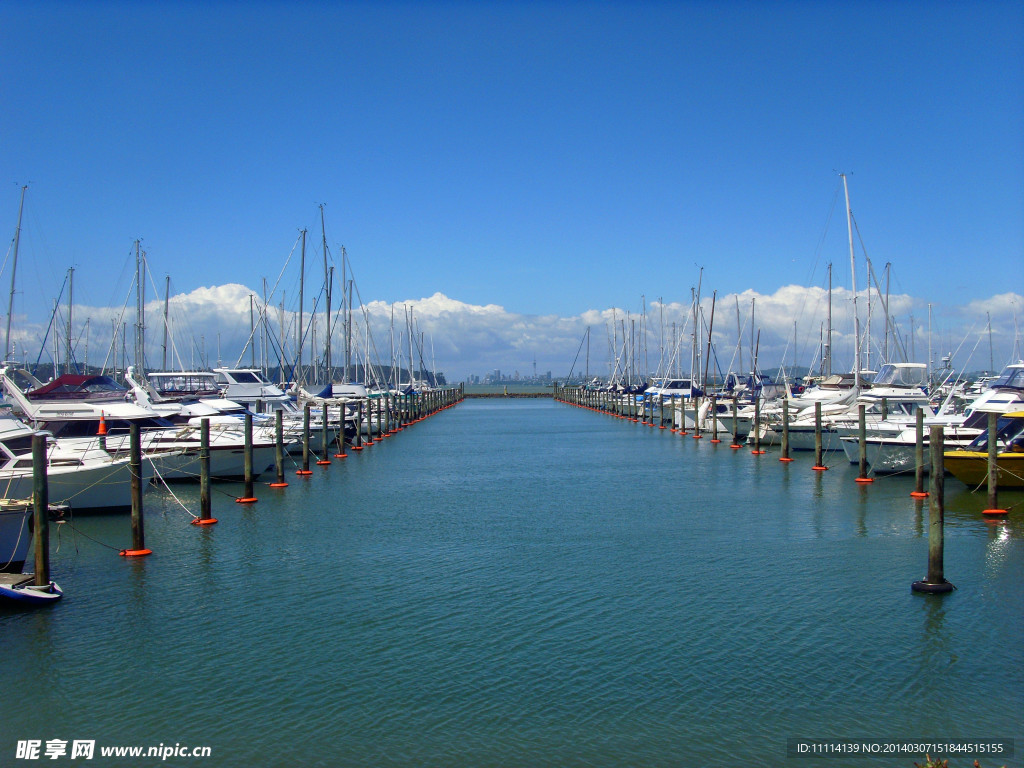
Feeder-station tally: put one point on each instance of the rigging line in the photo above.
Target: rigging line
(162, 480)
(90, 538)
(120, 319)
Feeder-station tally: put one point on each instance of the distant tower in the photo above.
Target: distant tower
(535, 367)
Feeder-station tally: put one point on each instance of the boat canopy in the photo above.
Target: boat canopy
(72, 386)
(901, 375)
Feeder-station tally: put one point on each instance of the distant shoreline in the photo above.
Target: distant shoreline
(508, 390)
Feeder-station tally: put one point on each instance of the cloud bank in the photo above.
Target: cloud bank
(212, 325)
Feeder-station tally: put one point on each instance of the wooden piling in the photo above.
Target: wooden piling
(205, 516)
(135, 466)
(785, 431)
(862, 445)
(279, 450)
(40, 510)
(919, 492)
(735, 444)
(818, 466)
(357, 441)
(935, 582)
(248, 495)
(993, 467)
(305, 443)
(756, 428)
(714, 420)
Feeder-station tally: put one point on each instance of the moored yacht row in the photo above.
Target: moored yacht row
(890, 402)
(87, 419)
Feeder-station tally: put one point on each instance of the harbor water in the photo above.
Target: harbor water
(525, 583)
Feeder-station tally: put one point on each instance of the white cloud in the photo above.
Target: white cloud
(213, 323)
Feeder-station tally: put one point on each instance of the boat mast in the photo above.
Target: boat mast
(252, 336)
(753, 344)
(707, 354)
(140, 327)
(828, 333)
(739, 333)
(929, 346)
(302, 288)
(71, 288)
(853, 280)
(167, 294)
(14, 268)
(867, 332)
(991, 357)
(328, 274)
(346, 299)
(885, 348)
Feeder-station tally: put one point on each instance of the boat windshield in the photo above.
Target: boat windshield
(1012, 377)
(246, 377)
(912, 375)
(1009, 435)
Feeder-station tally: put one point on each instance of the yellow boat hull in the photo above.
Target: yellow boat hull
(971, 468)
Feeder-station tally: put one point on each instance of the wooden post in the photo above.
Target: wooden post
(357, 444)
(305, 443)
(341, 433)
(785, 430)
(919, 492)
(205, 516)
(818, 466)
(714, 419)
(324, 438)
(248, 496)
(862, 445)
(935, 582)
(279, 450)
(135, 465)
(40, 510)
(757, 426)
(735, 444)
(248, 456)
(993, 467)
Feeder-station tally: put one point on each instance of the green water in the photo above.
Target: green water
(525, 583)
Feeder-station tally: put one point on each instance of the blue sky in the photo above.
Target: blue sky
(548, 157)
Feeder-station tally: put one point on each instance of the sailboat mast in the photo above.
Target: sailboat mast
(14, 268)
(753, 361)
(328, 274)
(252, 335)
(167, 294)
(991, 356)
(139, 320)
(885, 348)
(853, 280)
(345, 300)
(739, 333)
(71, 304)
(348, 320)
(302, 289)
(587, 374)
(828, 333)
(707, 354)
